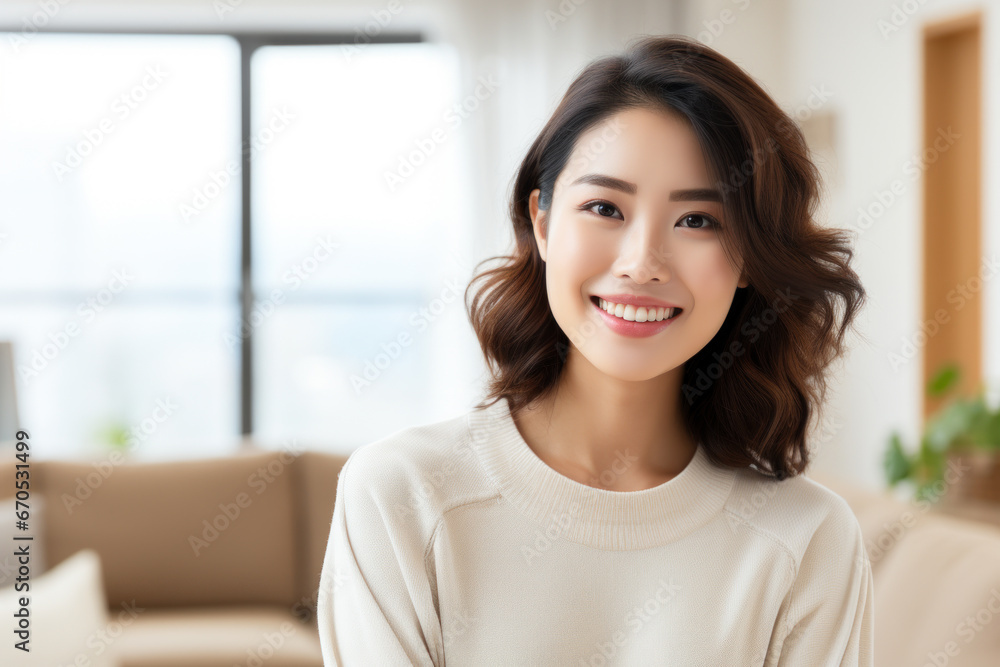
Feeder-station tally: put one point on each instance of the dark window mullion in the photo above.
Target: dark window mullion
(247, 47)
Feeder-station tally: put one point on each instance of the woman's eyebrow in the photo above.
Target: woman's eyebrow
(694, 194)
(697, 194)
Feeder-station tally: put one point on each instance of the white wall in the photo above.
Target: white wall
(872, 68)
(876, 72)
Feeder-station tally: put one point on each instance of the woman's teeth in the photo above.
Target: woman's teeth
(637, 314)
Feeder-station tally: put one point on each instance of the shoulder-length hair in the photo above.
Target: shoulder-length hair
(748, 395)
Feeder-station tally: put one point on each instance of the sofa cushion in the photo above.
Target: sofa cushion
(68, 615)
(219, 637)
(176, 533)
(937, 596)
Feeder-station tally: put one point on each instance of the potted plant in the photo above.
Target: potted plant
(965, 430)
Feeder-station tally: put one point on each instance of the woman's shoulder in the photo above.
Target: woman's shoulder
(796, 511)
(419, 466)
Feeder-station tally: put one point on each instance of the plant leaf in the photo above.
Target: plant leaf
(929, 464)
(950, 424)
(988, 430)
(945, 378)
(895, 462)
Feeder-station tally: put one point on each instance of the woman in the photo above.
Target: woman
(630, 491)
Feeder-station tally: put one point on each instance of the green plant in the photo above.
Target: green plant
(963, 424)
(114, 434)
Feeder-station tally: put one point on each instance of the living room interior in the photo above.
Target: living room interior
(236, 240)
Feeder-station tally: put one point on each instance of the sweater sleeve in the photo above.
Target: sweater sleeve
(365, 610)
(827, 618)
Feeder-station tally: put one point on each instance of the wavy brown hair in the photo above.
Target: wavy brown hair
(748, 395)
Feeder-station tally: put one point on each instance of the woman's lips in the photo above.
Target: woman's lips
(632, 329)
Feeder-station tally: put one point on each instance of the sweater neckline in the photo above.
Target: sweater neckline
(604, 519)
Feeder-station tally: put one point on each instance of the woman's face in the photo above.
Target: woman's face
(634, 231)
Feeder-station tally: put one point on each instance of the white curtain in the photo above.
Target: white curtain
(533, 50)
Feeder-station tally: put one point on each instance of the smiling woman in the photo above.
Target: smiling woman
(661, 212)
(668, 174)
(660, 244)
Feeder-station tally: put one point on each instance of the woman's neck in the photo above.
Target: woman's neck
(609, 433)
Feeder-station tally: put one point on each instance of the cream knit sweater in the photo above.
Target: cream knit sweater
(454, 544)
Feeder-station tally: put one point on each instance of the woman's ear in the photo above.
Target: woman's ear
(743, 282)
(539, 220)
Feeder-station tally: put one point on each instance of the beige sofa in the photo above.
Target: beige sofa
(937, 580)
(229, 597)
(220, 556)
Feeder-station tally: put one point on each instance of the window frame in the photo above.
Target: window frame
(248, 42)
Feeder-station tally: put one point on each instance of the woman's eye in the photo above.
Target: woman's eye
(705, 222)
(607, 210)
(603, 208)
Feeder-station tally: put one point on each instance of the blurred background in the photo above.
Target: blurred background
(229, 226)
(143, 264)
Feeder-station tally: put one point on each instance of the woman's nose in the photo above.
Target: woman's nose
(644, 256)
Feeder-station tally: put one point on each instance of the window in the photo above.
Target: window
(371, 163)
(128, 241)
